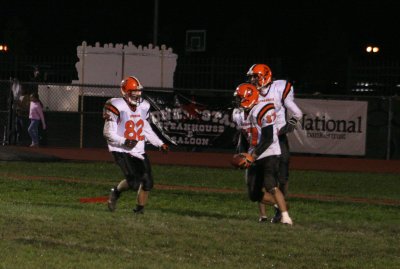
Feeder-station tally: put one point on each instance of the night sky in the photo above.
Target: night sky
(307, 42)
(270, 28)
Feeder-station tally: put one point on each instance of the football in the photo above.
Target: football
(242, 160)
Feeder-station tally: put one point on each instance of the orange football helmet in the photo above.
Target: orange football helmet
(131, 90)
(260, 75)
(246, 95)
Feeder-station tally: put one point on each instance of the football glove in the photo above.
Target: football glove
(289, 126)
(164, 148)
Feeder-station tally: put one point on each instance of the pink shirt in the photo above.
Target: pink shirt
(36, 112)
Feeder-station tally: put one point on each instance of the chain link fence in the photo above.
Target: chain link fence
(74, 115)
(53, 69)
(357, 76)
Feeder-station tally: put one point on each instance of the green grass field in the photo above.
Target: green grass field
(43, 224)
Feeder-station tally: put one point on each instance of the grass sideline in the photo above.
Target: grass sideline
(43, 225)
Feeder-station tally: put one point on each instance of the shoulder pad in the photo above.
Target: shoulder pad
(144, 105)
(111, 106)
(280, 83)
(236, 110)
(236, 115)
(263, 111)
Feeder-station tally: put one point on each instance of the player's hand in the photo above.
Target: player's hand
(242, 160)
(249, 160)
(164, 148)
(130, 143)
(289, 127)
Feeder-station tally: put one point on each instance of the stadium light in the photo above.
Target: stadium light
(372, 49)
(3, 48)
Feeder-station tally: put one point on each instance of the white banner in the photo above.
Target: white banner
(330, 127)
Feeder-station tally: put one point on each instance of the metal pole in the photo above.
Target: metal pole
(9, 127)
(82, 93)
(162, 67)
(122, 65)
(155, 23)
(389, 136)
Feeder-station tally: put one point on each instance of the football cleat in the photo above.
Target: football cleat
(263, 219)
(138, 211)
(286, 220)
(278, 216)
(112, 199)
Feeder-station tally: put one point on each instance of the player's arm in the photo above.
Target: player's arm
(152, 137)
(266, 139)
(289, 104)
(246, 160)
(288, 101)
(292, 122)
(294, 109)
(266, 120)
(111, 116)
(239, 138)
(242, 145)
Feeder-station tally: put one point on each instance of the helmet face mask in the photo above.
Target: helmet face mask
(131, 90)
(237, 101)
(246, 96)
(260, 75)
(134, 97)
(254, 79)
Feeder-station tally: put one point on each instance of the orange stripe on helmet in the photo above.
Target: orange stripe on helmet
(263, 111)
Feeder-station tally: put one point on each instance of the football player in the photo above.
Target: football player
(239, 117)
(281, 93)
(258, 119)
(126, 130)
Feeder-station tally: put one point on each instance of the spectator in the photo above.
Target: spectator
(22, 115)
(35, 116)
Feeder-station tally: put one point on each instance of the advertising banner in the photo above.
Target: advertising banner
(192, 121)
(330, 127)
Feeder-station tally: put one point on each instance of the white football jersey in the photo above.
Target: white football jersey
(261, 115)
(122, 123)
(280, 92)
(241, 119)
